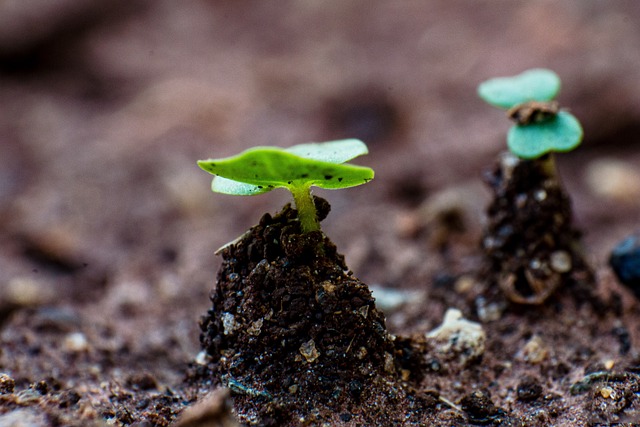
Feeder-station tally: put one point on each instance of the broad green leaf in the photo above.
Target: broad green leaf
(559, 134)
(261, 169)
(338, 151)
(533, 85)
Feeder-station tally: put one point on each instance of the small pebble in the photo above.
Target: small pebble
(625, 261)
(213, 409)
(309, 351)
(7, 384)
(607, 392)
(75, 342)
(458, 337)
(25, 292)
(389, 299)
(534, 351)
(613, 179)
(561, 261)
(229, 323)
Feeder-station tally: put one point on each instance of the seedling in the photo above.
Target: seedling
(298, 168)
(541, 127)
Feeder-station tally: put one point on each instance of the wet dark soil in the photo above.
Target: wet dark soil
(531, 244)
(296, 336)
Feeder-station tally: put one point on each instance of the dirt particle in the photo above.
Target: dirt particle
(69, 398)
(345, 417)
(361, 353)
(528, 390)
(607, 392)
(309, 351)
(7, 384)
(364, 311)
(256, 327)
(534, 351)
(229, 323)
(328, 286)
(560, 261)
(75, 342)
(457, 338)
(214, 409)
(479, 407)
(142, 381)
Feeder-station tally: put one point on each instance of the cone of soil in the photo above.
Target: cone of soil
(531, 245)
(294, 334)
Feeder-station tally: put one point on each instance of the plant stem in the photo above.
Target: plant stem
(306, 208)
(548, 164)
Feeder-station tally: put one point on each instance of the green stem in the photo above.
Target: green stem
(306, 208)
(548, 164)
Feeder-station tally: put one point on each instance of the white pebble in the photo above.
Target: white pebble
(458, 337)
(75, 342)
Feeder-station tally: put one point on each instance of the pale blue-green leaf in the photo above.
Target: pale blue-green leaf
(559, 134)
(229, 186)
(538, 84)
(339, 151)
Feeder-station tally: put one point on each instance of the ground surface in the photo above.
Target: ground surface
(108, 229)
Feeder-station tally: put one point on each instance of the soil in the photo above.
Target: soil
(108, 228)
(297, 338)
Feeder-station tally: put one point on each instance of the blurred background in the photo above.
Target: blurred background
(106, 106)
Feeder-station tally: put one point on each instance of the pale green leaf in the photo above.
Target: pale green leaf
(559, 134)
(533, 85)
(339, 151)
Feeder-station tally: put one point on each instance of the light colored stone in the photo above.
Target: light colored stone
(613, 179)
(560, 261)
(229, 323)
(458, 338)
(534, 351)
(388, 299)
(309, 351)
(26, 417)
(75, 342)
(213, 410)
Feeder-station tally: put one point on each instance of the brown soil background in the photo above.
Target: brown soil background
(108, 228)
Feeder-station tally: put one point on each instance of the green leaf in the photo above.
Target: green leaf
(538, 84)
(229, 186)
(262, 169)
(559, 134)
(332, 151)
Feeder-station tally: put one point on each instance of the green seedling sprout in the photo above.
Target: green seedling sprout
(541, 127)
(298, 168)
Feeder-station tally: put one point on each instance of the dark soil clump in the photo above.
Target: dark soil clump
(295, 336)
(531, 244)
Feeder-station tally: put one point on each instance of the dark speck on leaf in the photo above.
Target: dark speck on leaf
(304, 175)
(339, 179)
(328, 176)
(289, 182)
(260, 186)
(270, 186)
